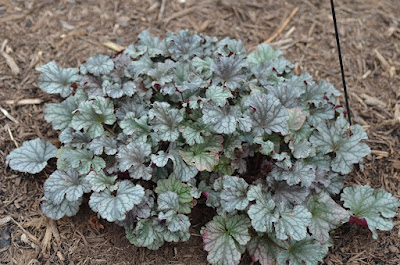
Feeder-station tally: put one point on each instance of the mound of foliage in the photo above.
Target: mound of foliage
(167, 124)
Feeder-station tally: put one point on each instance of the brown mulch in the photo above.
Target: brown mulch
(35, 32)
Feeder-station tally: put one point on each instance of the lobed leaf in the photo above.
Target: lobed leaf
(263, 250)
(114, 207)
(263, 53)
(56, 80)
(224, 239)
(267, 114)
(182, 190)
(32, 156)
(104, 143)
(326, 216)
(292, 223)
(148, 233)
(80, 159)
(92, 115)
(343, 141)
(306, 251)
(165, 121)
(299, 173)
(58, 211)
(373, 206)
(65, 185)
(234, 193)
(99, 64)
(99, 181)
(61, 114)
(261, 214)
(229, 71)
(133, 157)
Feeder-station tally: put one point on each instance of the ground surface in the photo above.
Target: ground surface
(35, 32)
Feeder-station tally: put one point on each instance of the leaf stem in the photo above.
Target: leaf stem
(270, 239)
(109, 130)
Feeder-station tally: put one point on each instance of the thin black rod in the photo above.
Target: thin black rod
(341, 62)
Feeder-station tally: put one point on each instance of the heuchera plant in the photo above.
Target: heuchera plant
(166, 124)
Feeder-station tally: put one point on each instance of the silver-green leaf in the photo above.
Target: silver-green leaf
(32, 156)
(68, 185)
(114, 207)
(56, 80)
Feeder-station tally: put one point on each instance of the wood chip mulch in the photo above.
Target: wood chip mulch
(68, 31)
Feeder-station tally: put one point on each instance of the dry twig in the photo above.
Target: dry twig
(9, 60)
(179, 14)
(12, 136)
(379, 153)
(5, 220)
(11, 63)
(283, 26)
(26, 231)
(12, 17)
(372, 101)
(8, 115)
(26, 101)
(162, 9)
(389, 68)
(113, 46)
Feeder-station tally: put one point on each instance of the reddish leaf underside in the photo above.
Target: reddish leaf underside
(359, 221)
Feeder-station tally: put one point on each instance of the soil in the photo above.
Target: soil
(35, 32)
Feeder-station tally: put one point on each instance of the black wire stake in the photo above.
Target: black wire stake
(341, 62)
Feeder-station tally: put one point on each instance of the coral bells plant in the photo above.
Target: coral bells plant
(167, 124)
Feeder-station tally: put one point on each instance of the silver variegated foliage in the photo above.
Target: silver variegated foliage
(56, 80)
(57, 211)
(326, 216)
(196, 120)
(32, 156)
(99, 64)
(114, 207)
(133, 157)
(234, 193)
(225, 239)
(65, 185)
(375, 207)
(292, 223)
(165, 121)
(262, 212)
(343, 141)
(267, 114)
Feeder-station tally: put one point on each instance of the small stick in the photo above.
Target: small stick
(382, 60)
(113, 46)
(12, 17)
(282, 42)
(11, 63)
(397, 112)
(285, 23)
(25, 231)
(380, 153)
(12, 136)
(178, 14)
(5, 220)
(8, 115)
(162, 8)
(372, 101)
(109, 130)
(3, 45)
(26, 101)
(9, 60)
